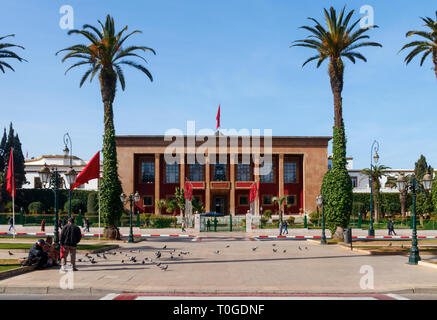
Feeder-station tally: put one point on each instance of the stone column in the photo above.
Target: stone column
(207, 185)
(256, 178)
(182, 174)
(232, 194)
(281, 178)
(157, 181)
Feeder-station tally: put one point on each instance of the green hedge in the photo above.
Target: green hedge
(46, 197)
(389, 203)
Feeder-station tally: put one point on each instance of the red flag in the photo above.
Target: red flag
(188, 190)
(91, 171)
(257, 190)
(10, 178)
(218, 118)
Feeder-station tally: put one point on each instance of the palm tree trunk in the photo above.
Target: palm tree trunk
(111, 206)
(336, 71)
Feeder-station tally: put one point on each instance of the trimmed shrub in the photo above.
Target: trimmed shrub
(267, 213)
(76, 205)
(36, 207)
(92, 205)
(290, 220)
(162, 221)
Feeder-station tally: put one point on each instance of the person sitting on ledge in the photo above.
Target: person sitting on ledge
(37, 256)
(52, 253)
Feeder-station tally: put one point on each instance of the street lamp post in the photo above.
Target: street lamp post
(319, 201)
(373, 158)
(71, 174)
(414, 187)
(52, 177)
(132, 199)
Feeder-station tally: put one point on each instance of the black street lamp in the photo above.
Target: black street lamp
(414, 187)
(52, 177)
(319, 202)
(132, 198)
(373, 158)
(71, 174)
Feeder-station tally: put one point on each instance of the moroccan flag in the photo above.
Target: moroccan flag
(188, 190)
(90, 172)
(10, 178)
(257, 190)
(218, 118)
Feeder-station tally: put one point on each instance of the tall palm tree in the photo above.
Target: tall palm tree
(105, 55)
(280, 201)
(427, 45)
(378, 171)
(339, 39)
(6, 53)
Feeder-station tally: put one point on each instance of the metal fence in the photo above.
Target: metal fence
(219, 224)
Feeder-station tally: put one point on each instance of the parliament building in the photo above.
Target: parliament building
(298, 165)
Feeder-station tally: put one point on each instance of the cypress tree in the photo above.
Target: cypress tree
(13, 141)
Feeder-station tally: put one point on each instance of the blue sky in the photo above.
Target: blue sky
(235, 53)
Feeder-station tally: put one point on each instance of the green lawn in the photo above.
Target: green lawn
(89, 247)
(9, 267)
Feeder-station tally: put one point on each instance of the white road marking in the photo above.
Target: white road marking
(110, 296)
(396, 296)
(251, 298)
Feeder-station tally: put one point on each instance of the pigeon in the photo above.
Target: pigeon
(104, 256)
(10, 253)
(402, 245)
(390, 244)
(80, 260)
(164, 268)
(178, 255)
(284, 251)
(273, 244)
(274, 250)
(164, 247)
(300, 248)
(122, 261)
(158, 264)
(171, 257)
(158, 254)
(217, 251)
(86, 255)
(306, 248)
(143, 262)
(149, 259)
(93, 261)
(254, 248)
(227, 246)
(98, 255)
(185, 252)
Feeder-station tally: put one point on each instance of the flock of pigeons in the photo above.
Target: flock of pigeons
(132, 259)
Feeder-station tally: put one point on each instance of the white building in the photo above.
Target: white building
(361, 183)
(62, 163)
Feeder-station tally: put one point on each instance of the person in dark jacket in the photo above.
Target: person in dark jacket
(70, 237)
(37, 255)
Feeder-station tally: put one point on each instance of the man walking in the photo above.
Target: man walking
(285, 227)
(70, 237)
(280, 227)
(391, 227)
(11, 224)
(87, 225)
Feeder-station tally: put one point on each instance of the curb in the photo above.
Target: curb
(428, 264)
(103, 291)
(15, 272)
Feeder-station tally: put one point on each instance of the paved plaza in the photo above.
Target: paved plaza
(218, 263)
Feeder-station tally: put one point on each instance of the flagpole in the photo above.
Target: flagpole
(13, 193)
(98, 183)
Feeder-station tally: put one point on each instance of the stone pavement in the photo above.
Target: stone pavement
(306, 266)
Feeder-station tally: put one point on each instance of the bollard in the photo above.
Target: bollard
(305, 223)
(359, 221)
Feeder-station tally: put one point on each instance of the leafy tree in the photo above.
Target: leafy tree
(427, 45)
(6, 53)
(105, 56)
(339, 40)
(161, 204)
(378, 171)
(421, 168)
(180, 199)
(280, 201)
(197, 205)
(13, 141)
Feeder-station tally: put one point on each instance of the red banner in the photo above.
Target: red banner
(10, 178)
